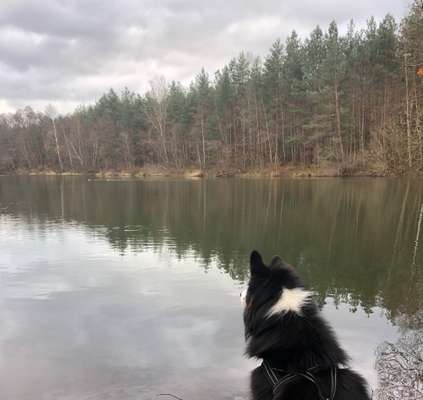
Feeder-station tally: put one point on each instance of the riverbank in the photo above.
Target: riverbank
(288, 171)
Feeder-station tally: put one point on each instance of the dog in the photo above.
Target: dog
(301, 357)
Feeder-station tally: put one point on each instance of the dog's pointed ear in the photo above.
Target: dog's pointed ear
(276, 262)
(256, 263)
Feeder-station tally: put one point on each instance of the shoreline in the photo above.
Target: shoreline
(291, 171)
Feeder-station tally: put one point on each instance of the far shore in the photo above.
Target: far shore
(290, 171)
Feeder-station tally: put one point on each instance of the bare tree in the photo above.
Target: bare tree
(400, 368)
(157, 99)
(52, 113)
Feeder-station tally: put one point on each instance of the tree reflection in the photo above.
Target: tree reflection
(357, 241)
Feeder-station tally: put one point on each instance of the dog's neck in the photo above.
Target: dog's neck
(302, 361)
(311, 344)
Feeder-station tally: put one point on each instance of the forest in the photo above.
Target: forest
(351, 100)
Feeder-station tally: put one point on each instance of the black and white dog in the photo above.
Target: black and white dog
(302, 359)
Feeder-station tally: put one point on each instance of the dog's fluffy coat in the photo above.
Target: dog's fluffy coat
(283, 326)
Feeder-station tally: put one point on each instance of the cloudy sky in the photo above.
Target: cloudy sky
(69, 52)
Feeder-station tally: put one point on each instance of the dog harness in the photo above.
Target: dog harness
(279, 383)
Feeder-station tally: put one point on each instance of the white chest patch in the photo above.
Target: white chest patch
(290, 300)
(243, 296)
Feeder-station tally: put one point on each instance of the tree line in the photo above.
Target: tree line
(352, 100)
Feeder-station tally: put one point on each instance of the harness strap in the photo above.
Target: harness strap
(307, 374)
(270, 374)
(333, 382)
(285, 380)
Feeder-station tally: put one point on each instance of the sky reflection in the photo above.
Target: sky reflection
(80, 320)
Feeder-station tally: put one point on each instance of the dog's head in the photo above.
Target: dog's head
(275, 295)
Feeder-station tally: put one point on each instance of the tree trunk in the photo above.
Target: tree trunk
(407, 105)
(203, 141)
(57, 145)
(338, 119)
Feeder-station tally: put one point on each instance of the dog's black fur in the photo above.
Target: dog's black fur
(292, 341)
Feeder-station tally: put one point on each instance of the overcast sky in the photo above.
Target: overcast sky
(69, 52)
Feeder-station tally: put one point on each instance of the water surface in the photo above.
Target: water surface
(128, 289)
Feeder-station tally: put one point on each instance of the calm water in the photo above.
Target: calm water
(128, 289)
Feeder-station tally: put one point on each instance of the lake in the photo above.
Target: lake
(129, 289)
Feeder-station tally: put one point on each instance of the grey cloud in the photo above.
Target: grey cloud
(61, 18)
(72, 51)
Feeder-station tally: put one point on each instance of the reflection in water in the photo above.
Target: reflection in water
(80, 321)
(417, 241)
(356, 240)
(102, 295)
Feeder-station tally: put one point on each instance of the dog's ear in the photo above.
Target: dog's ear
(276, 263)
(256, 263)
